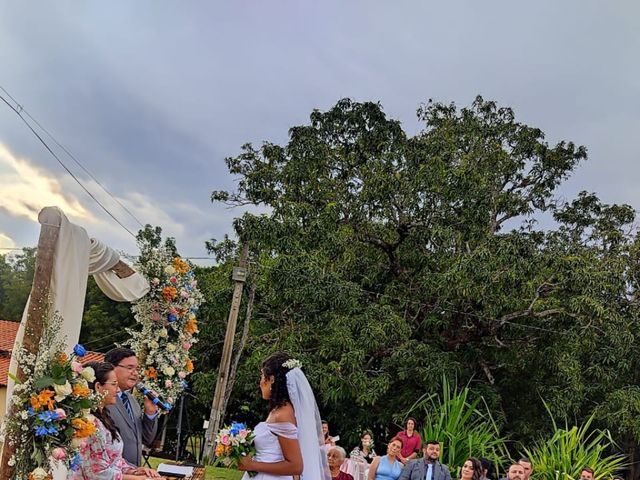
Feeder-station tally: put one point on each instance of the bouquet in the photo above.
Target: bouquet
(51, 409)
(233, 443)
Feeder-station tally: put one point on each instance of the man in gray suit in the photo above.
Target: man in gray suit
(428, 467)
(135, 427)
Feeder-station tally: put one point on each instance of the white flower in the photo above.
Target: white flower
(168, 370)
(62, 391)
(24, 414)
(169, 270)
(171, 347)
(39, 474)
(163, 333)
(12, 461)
(88, 374)
(154, 345)
(292, 363)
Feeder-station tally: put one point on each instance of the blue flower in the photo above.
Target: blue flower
(41, 430)
(184, 384)
(52, 430)
(48, 416)
(171, 317)
(236, 427)
(31, 412)
(75, 462)
(79, 350)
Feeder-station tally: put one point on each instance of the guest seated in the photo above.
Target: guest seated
(411, 441)
(328, 439)
(335, 458)
(364, 452)
(471, 470)
(387, 467)
(101, 453)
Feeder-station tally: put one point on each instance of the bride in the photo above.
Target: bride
(289, 442)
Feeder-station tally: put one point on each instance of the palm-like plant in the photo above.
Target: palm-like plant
(462, 424)
(569, 449)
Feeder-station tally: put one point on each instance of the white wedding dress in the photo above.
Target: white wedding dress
(308, 433)
(268, 447)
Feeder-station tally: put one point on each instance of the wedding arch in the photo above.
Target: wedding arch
(65, 256)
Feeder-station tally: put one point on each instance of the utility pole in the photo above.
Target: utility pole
(239, 277)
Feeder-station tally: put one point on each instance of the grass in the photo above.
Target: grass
(211, 473)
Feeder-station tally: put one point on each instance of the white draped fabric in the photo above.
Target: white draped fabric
(76, 256)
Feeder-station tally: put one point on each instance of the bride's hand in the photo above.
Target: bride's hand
(245, 463)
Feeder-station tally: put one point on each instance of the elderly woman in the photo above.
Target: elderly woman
(335, 458)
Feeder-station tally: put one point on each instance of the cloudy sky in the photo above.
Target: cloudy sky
(151, 96)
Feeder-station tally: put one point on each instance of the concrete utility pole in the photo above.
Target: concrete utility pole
(239, 276)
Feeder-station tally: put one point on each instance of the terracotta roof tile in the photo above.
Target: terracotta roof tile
(4, 369)
(8, 331)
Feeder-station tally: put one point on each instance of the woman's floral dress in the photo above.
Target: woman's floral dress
(101, 457)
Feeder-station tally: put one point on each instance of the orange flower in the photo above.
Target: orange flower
(151, 373)
(219, 450)
(191, 326)
(188, 365)
(62, 358)
(43, 399)
(83, 428)
(180, 265)
(80, 391)
(169, 293)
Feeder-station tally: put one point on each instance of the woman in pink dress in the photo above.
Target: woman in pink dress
(101, 453)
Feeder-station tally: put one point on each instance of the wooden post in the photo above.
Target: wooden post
(38, 307)
(239, 276)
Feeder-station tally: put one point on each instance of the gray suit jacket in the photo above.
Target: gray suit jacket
(133, 433)
(417, 469)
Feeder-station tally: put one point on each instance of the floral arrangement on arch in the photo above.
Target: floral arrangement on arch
(51, 409)
(167, 315)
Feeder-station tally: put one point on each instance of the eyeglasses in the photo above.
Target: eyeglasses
(130, 368)
(113, 383)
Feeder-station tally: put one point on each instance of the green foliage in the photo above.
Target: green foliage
(16, 276)
(388, 260)
(462, 423)
(562, 455)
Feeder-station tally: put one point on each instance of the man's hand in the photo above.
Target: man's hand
(149, 407)
(147, 472)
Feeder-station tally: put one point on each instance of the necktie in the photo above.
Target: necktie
(127, 406)
(429, 471)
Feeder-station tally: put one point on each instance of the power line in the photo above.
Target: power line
(193, 257)
(18, 111)
(50, 135)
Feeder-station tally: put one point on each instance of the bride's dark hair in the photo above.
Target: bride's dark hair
(272, 365)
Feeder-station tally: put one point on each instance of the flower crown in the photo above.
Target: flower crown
(292, 363)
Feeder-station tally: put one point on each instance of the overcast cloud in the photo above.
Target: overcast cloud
(151, 96)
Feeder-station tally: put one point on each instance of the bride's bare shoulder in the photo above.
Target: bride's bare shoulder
(283, 413)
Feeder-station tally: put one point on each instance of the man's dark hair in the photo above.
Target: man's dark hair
(116, 355)
(489, 466)
(526, 460)
(431, 442)
(587, 469)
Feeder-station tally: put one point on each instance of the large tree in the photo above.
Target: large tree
(389, 259)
